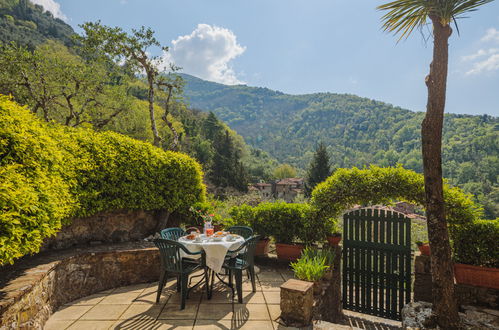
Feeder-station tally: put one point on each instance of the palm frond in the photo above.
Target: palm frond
(403, 16)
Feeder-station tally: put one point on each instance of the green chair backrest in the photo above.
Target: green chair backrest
(169, 252)
(243, 231)
(172, 233)
(247, 252)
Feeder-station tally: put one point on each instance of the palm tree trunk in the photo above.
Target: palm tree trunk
(444, 305)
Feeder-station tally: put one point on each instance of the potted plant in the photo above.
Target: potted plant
(334, 235)
(424, 248)
(201, 214)
(287, 224)
(313, 266)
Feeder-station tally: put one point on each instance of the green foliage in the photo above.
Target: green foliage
(319, 169)
(284, 171)
(403, 16)
(287, 223)
(476, 243)
(29, 25)
(227, 169)
(313, 264)
(59, 85)
(49, 173)
(357, 131)
(377, 185)
(325, 253)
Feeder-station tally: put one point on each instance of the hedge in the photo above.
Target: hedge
(50, 173)
(477, 243)
(287, 223)
(381, 185)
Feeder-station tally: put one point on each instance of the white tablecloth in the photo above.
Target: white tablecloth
(215, 251)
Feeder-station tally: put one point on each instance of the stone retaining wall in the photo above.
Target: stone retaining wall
(465, 294)
(106, 227)
(33, 288)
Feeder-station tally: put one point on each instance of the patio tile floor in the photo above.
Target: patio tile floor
(134, 307)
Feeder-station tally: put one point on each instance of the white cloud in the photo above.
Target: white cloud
(480, 53)
(485, 59)
(51, 6)
(492, 34)
(489, 64)
(207, 53)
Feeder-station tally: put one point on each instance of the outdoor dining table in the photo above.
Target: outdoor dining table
(215, 250)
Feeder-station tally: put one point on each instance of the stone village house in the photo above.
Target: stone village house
(286, 189)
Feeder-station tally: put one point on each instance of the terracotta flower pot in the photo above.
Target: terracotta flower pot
(262, 247)
(289, 252)
(487, 277)
(334, 239)
(424, 249)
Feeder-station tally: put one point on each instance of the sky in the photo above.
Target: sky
(300, 47)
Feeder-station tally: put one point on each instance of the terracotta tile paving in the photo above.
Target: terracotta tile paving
(134, 308)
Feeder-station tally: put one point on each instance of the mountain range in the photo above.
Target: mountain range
(357, 131)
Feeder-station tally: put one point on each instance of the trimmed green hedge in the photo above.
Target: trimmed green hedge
(381, 185)
(49, 173)
(287, 223)
(477, 243)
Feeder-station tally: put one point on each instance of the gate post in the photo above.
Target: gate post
(332, 307)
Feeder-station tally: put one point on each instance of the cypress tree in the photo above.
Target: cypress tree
(319, 169)
(227, 169)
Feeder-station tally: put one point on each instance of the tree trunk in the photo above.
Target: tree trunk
(157, 138)
(444, 305)
(174, 145)
(163, 216)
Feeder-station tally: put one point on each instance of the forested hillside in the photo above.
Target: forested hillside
(357, 132)
(45, 68)
(30, 25)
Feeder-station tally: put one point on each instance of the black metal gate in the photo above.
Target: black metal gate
(376, 262)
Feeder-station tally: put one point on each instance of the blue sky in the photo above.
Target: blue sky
(310, 46)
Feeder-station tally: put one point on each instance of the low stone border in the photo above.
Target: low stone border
(35, 287)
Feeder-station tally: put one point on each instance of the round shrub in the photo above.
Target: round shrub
(377, 185)
(49, 173)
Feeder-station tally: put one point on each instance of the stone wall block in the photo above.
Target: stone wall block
(105, 227)
(297, 301)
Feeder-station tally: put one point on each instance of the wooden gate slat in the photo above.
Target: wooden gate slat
(376, 262)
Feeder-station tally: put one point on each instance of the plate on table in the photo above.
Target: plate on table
(217, 239)
(190, 237)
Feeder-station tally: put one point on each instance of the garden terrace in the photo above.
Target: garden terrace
(114, 287)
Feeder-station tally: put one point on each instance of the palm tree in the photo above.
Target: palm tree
(402, 17)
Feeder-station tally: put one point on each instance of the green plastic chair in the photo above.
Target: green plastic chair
(243, 231)
(243, 261)
(173, 264)
(172, 233)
